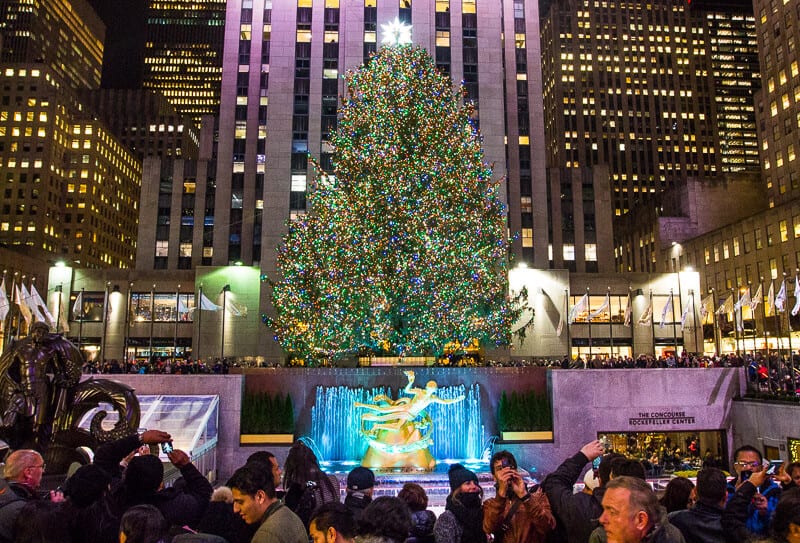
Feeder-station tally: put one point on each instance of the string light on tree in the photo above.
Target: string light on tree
(396, 33)
(403, 250)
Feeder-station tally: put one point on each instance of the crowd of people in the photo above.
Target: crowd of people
(120, 498)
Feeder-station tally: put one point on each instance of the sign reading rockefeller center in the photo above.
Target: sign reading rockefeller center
(659, 418)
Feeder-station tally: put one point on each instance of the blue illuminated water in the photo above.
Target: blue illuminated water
(458, 431)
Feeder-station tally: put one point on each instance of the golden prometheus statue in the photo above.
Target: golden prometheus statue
(399, 432)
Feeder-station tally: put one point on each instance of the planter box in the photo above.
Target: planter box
(540, 435)
(266, 439)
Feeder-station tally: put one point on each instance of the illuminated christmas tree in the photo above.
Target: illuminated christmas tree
(404, 248)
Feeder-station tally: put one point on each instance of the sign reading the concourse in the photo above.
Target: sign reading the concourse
(660, 418)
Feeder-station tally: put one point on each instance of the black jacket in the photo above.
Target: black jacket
(701, 524)
(577, 514)
(356, 502)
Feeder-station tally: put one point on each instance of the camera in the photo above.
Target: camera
(745, 475)
(167, 447)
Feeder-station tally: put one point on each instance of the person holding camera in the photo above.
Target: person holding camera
(183, 504)
(515, 515)
(748, 463)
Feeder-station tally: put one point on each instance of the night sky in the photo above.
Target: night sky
(123, 58)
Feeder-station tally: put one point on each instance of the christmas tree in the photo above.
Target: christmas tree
(404, 248)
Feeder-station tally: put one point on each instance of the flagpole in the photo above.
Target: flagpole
(225, 290)
(699, 348)
(198, 304)
(791, 352)
(177, 318)
(610, 323)
(102, 356)
(763, 314)
(60, 290)
(10, 304)
(714, 321)
(780, 324)
(126, 335)
(20, 301)
(566, 317)
(152, 319)
(80, 325)
(652, 324)
(589, 318)
(674, 324)
(735, 321)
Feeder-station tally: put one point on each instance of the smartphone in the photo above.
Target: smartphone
(504, 463)
(166, 447)
(745, 475)
(774, 466)
(596, 462)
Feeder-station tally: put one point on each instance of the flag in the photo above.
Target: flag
(628, 311)
(77, 307)
(237, 310)
(744, 300)
(667, 309)
(771, 298)
(796, 307)
(726, 306)
(5, 305)
(757, 298)
(23, 307)
(560, 327)
(647, 317)
(706, 306)
(208, 305)
(182, 307)
(685, 315)
(40, 304)
(602, 309)
(780, 299)
(577, 308)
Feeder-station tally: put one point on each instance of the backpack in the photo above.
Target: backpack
(307, 503)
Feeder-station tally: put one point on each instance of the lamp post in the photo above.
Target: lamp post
(225, 290)
(126, 333)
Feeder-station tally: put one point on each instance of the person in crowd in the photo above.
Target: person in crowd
(360, 483)
(142, 483)
(627, 466)
(332, 522)
(577, 513)
(515, 515)
(786, 521)
(220, 519)
(86, 486)
(254, 499)
(677, 495)
(462, 519)
(385, 520)
(306, 485)
(23, 472)
(631, 513)
(42, 521)
(590, 482)
(748, 462)
(422, 519)
(270, 460)
(143, 524)
(703, 522)
(789, 476)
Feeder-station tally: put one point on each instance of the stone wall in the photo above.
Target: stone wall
(765, 425)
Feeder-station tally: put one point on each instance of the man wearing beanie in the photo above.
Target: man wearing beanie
(360, 483)
(142, 483)
(462, 520)
(515, 515)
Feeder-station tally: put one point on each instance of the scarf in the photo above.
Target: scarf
(469, 515)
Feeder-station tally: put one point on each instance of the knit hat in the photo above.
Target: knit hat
(144, 475)
(459, 475)
(86, 485)
(360, 478)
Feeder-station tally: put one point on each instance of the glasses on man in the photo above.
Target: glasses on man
(747, 464)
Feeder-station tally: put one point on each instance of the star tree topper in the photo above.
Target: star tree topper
(396, 33)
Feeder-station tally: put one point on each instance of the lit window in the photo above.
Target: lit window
(298, 183)
(527, 237)
(569, 252)
(591, 252)
(303, 36)
(162, 248)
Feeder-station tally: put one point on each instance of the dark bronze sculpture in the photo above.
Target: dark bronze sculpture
(43, 412)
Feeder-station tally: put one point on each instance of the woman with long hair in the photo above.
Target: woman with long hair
(307, 486)
(462, 520)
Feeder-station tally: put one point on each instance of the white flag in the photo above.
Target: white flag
(208, 305)
(685, 314)
(577, 308)
(744, 300)
(757, 298)
(706, 306)
(771, 298)
(560, 327)
(182, 306)
(40, 304)
(667, 309)
(23, 307)
(628, 311)
(780, 299)
(647, 317)
(726, 306)
(5, 305)
(237, 310)
(796, 307)
(602, 309)
(77, 307)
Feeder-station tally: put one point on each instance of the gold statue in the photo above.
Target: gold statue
(400, 435)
